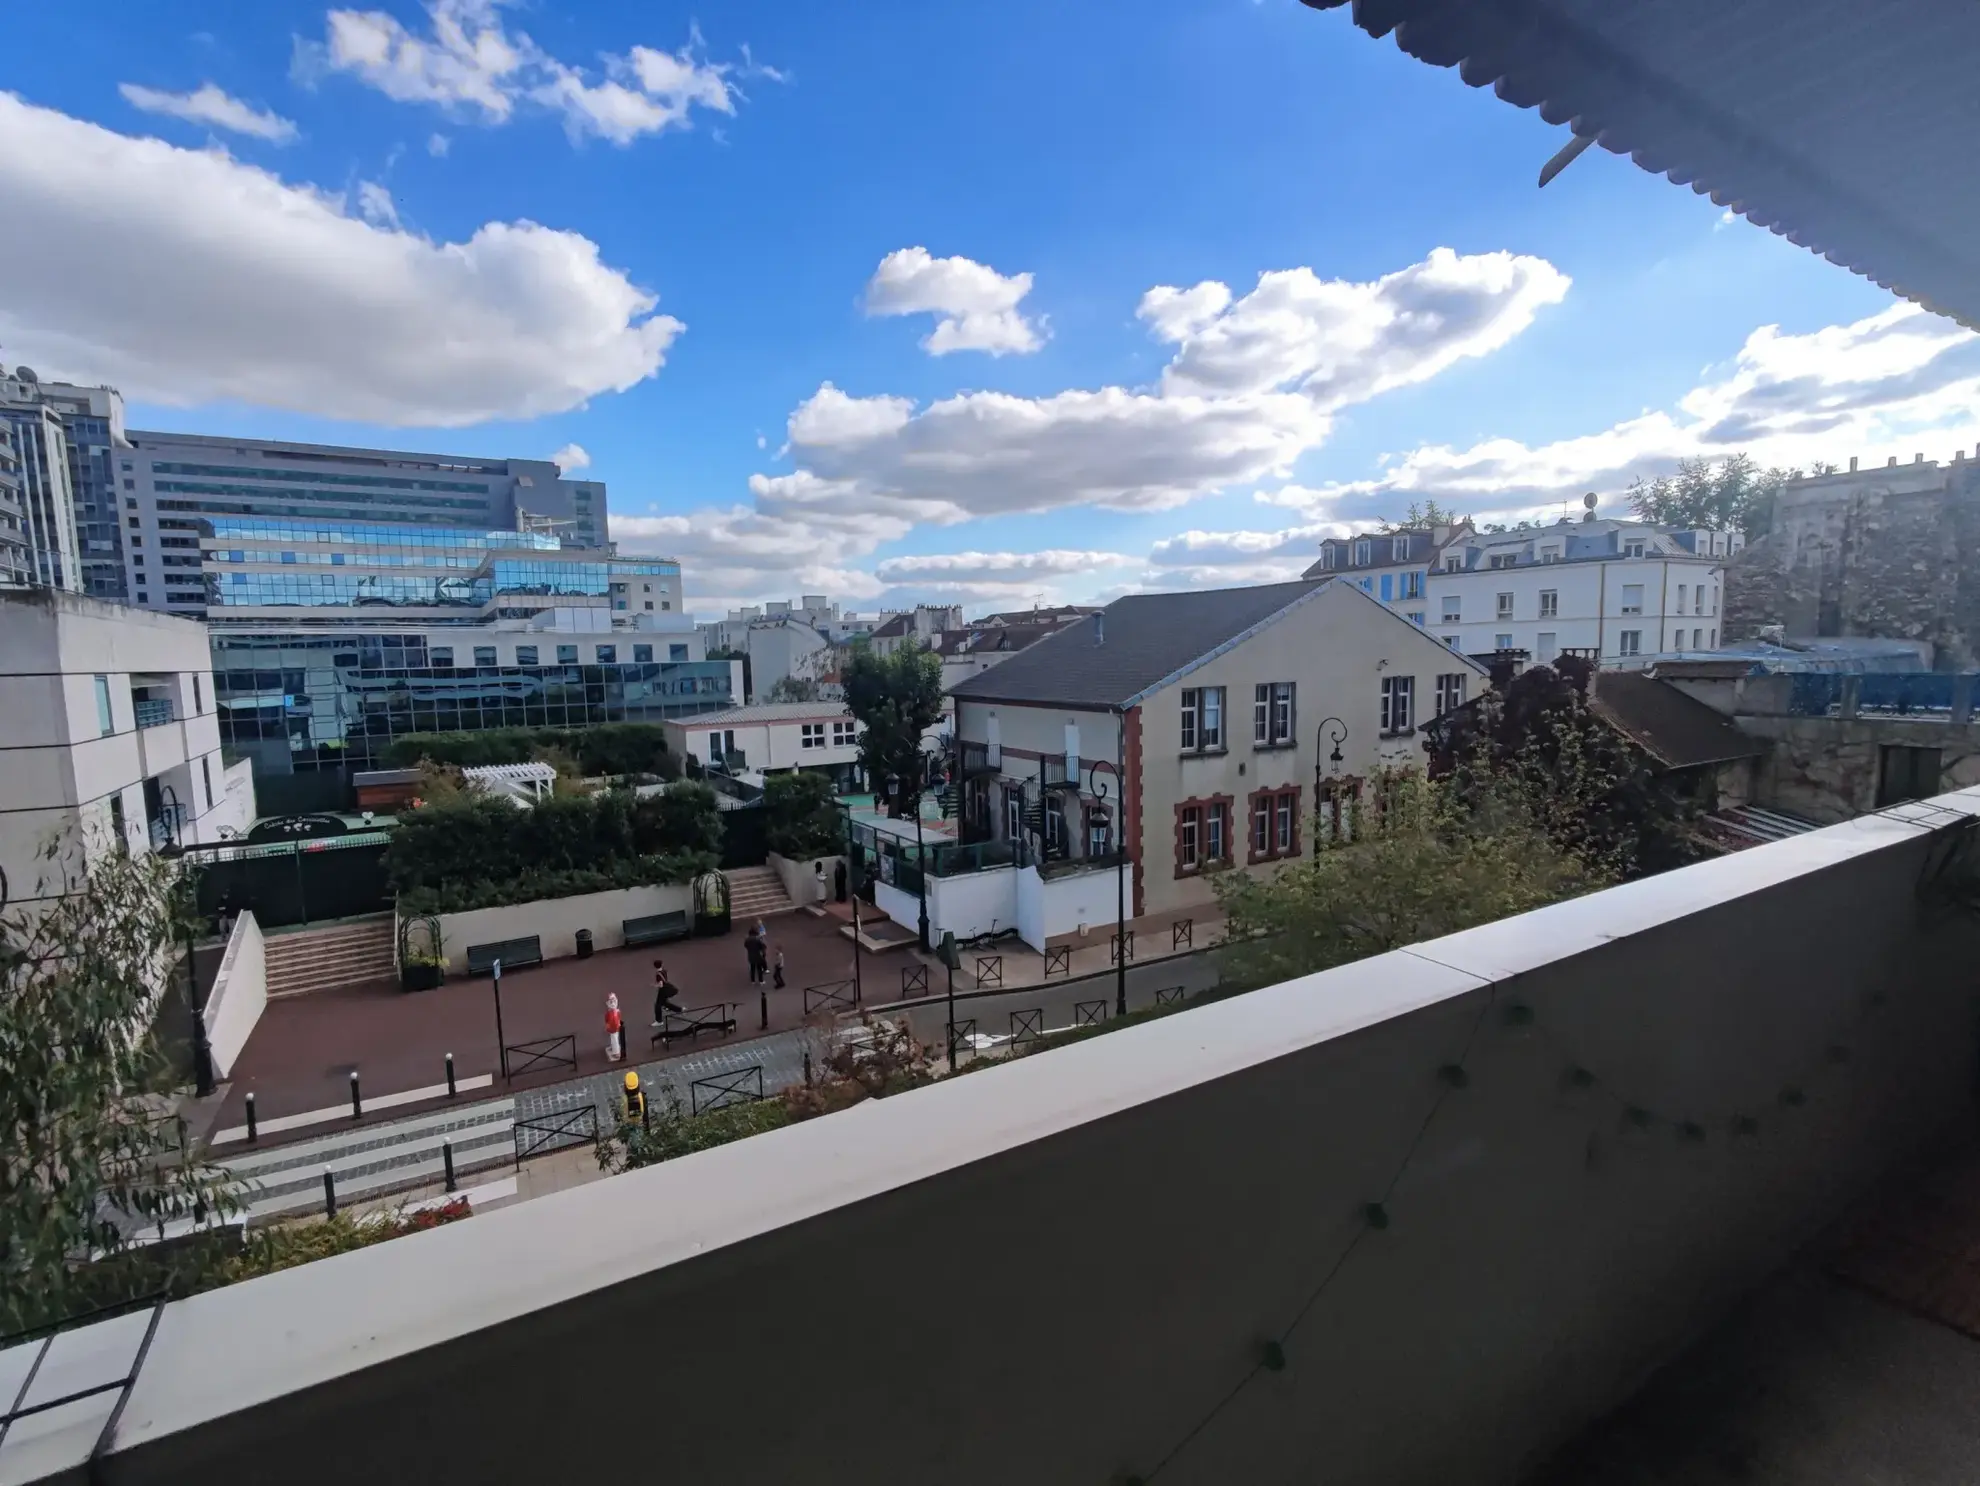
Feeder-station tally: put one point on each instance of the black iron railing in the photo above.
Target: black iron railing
(718, 1091)
(555, 1132)
(833, 995)
(519, 1058)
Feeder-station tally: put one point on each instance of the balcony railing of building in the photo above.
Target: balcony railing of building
(1516, 1170)
(1927, 696)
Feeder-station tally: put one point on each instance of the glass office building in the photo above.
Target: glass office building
(328, 507)
(300, 703)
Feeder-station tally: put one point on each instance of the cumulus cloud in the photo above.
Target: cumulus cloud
(571, 458)
(437, 146)
(1254, 384)
(976, 308)
(994, 568)
(1891, 385)
(1340, 342)
(374, 203)
(1872, 389)
(161, 270)
(468, 61)
(210, 105)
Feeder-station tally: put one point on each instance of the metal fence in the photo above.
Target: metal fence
(989, 970)
(555, 1132)
(1028, 1026)
(519, 1058)
(287, 883)
(833, 995)
(1089, 1013)
(741, 1086)
(914, 978)
(961, 1035)
(1058, 961)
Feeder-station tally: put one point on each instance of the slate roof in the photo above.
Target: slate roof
(1842, 126)
(1679, 731)
(1112, 657)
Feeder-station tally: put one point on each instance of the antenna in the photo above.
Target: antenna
(1588, 505)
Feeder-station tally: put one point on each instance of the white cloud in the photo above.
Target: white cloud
(208, 104)
(165, 271)
(1340, 342)
(1253, 385)
(976, 307)
(374, 203)
(437, 146)
(1002, 569)
(571, 458)
(1895, 383)
(1892, 385)
(468, 61)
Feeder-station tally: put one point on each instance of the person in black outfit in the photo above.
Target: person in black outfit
(753, 947)
(663, 993)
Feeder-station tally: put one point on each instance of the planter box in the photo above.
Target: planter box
(421, 977)
(556, 921)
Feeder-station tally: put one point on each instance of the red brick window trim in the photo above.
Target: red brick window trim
(1200, 822)
(1271, 823)
(1335, 800)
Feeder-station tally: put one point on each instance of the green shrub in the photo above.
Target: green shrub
(486, 851)
(608, 748)
(801, 815)
(674, 1134)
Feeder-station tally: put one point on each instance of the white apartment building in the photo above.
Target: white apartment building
(1612, 591)
(109, 733)
(61, 437)
(771, 737)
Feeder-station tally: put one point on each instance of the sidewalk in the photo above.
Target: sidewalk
(1011, 964)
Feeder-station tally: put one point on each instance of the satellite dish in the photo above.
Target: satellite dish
(25, 374)
(1588, 500)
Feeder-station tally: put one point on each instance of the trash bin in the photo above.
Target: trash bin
(584, 944)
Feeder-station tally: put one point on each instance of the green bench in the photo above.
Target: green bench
(481, 958)
(656, 928)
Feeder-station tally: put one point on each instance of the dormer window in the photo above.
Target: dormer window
(1633, 547)
(1364, 553)
(1327, 552)
(1399, 550)
(1453, 562)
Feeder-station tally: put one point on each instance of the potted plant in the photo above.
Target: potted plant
(422, 971)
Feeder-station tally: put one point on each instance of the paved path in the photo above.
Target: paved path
(779, 1054)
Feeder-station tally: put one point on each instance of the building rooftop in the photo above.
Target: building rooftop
(1111, 658)
(764, 712)
(1840, 126)
(1678, 731)
(1844, 653)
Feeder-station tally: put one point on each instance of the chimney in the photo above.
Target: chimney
(1852, 464)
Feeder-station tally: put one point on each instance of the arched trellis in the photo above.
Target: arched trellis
(422, 953)
(711, 904)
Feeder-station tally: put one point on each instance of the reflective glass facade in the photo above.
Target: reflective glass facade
(295, 702)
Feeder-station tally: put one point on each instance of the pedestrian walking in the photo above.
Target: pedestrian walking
(754, 950)
(615, 1031)
(663, 993)
(780, 968)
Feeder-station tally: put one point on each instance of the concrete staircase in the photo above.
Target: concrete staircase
(349, 953)
(756, 892)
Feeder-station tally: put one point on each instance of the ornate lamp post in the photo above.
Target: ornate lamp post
(1097, 787)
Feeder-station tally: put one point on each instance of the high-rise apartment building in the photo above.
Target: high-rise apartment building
(62, 437)
(16, 563)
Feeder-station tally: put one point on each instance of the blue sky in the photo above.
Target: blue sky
(774, 291)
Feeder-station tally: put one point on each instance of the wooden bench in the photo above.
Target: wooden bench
(481, 958)
(656, 928)
(692, 1021)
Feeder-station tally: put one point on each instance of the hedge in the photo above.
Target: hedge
(801, 815)
(482, 852)
(610, 748)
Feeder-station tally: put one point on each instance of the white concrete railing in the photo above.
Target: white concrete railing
(1068, 1268)
(239, 994)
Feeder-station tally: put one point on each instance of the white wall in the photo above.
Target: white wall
(800, 882)
(972, 902)
(1589, 603)
(903, 908)
(239, 994)
(1540, 1260)
(556, 921)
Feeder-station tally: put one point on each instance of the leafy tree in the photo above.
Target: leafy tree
(896, 698)
(802, 815)
(1428, 861)
(793, 689)
(1428, 513)
(611, 748)
(87, 1149)
(1594, 791)
(1734, 494)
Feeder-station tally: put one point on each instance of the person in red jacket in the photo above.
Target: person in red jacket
(615, 1031)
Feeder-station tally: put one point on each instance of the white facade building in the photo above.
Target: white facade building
(770, 737)
(108, 733)
(1612, 591)
(61, 436)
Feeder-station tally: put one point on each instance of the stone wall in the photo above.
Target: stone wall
(1891, 553)
(1826, 768)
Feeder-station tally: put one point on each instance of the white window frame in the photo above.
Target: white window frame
(1261, 825)
(1202, 719)
(1504, 606)
(1217, 832)
(1013, 814)
(1550, 603)
(1629, 642)
(1453, 609)
(1502, 640)
(1272, 713)
(1399, 550)
(1450, 691)
(1282, 815)
(1398, 705)
(1627, 607)
(1190, 829)
(1411, 585)
(1364, 553)
(1503, 560)
(1634, 547)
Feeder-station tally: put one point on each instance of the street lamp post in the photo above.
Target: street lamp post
(1339, 737)
(1097, 787)
(852, 878)
(920, 851)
